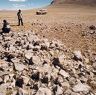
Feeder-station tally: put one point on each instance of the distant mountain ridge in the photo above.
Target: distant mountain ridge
(89, 2)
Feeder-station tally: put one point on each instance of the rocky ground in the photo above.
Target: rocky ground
(30, 65)
(52, 54)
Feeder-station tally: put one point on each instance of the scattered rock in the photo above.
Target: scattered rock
(19, 82)
(81, 87)
(20, 67)
(28, 55)
(78, 56)
(92, 27)
(36, 59)
(57, 63)
(59, 90)
(25, 79)
(64, 74)
(44, 91)
(30, 65)
(44, 80)
(36, 76)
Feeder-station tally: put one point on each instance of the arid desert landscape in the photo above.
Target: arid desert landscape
(67, 23)
(52, 54)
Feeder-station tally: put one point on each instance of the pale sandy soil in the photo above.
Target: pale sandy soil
(66, 23)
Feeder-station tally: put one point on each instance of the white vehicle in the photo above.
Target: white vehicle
(41, 12)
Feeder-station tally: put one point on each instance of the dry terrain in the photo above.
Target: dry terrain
(33, 59)
(66, 22)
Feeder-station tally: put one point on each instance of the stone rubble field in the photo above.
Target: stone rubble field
(30, 65)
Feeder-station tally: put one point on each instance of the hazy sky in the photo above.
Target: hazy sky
(23, 4)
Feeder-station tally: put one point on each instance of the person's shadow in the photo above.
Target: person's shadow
(13, 25)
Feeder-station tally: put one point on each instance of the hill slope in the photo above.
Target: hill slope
(89, 2)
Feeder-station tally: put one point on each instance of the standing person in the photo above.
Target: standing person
(6, 27)
(20, 18)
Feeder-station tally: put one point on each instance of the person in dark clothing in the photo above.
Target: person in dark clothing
(20, 18)
(6, 27)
